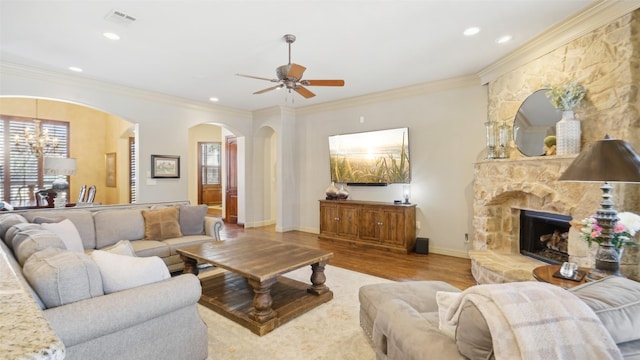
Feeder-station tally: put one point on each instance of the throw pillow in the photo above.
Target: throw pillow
(192, 219)
(161, 224)
(61, 276)
(473, 337)
(8, 220)
(28, 242)
(444, 299)
(67, 232)
(121, 272)
(122, 247)
(616, 302)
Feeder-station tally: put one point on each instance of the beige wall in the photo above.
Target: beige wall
(92, 134)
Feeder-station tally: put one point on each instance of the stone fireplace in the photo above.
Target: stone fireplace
(503, 189)
(544, 236)
(607, 62)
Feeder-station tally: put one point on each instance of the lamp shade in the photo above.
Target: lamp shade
(59, 166)
(605, 160)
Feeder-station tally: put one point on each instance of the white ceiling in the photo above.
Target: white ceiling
(193, 49)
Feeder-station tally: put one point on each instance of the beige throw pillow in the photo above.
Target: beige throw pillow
(161, 224)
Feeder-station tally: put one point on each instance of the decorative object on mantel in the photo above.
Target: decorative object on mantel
(550, 145)
(605, 160)
(332, 191)
(491, 127)
(504, 135)
(565, 98)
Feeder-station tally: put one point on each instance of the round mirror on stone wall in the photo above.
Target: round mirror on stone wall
(535, 120)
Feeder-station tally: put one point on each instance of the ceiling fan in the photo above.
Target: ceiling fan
(290, 76)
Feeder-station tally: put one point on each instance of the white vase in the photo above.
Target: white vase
(568, 134)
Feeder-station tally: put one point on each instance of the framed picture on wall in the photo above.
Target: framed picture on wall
(110, 163)
(165, 166)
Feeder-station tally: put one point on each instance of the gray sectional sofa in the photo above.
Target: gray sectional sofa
(405, 320)
(59, 307)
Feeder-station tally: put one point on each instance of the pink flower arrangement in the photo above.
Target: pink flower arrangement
(627, 226)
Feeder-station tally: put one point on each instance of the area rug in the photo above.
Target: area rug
(329, 331)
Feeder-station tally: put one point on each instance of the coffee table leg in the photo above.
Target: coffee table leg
(318, 279)
(190, 265)
(262, 300)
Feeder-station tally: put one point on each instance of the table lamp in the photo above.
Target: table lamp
(609, 161)
(60, 167)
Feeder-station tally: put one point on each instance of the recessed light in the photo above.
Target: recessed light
(471, 31)
(75, 68)
(214, 99)
(504, 39)
(111, 36)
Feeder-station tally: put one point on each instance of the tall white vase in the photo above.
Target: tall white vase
(568, 134)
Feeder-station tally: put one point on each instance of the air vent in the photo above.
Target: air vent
(119, 17)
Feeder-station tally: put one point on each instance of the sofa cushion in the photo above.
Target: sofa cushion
(47, 220)
(122, 247)
(444, 299)
(130, 226)
(616, 301)
(62, 276)
(7, 221)
(121, 272)
(82, 219)
(473, 337)
(28, 242)
(151, 248)
(161, 224)
(11, 233)
(67, 232)
(192, 219)
(189, 240)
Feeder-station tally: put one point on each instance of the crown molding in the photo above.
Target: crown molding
(602, 12)
(76, 81)
(389, 95)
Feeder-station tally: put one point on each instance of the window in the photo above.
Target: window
(132, 170)
(21, 171)
(210, 163)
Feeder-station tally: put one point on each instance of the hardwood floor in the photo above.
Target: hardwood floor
(381, 263)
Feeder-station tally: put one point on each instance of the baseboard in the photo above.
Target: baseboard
(449, 252)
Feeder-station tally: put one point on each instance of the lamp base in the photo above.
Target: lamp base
(597, 274)
(607, 263)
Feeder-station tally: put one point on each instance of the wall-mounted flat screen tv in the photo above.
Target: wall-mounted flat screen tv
(370, 158)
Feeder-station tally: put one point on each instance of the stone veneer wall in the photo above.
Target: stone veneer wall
(607, 63)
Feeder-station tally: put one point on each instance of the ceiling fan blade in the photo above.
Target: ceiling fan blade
(304, 92)
(267, 89)
(296, 71)
(257, 77)
(322, 82)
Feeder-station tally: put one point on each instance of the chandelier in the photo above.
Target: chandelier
(37, 141)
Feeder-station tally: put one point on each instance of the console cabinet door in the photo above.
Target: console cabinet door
(348, 221)
(329, 219)
(392, 227)
(369, 224)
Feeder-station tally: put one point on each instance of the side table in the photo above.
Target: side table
(545, 274)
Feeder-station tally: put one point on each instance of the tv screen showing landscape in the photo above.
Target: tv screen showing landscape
(374, 157)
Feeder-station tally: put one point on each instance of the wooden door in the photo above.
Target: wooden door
(209, 179)
(231, 195)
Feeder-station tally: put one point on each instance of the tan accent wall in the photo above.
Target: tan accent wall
(92, 134)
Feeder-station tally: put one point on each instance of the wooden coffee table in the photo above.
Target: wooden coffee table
(253, 293)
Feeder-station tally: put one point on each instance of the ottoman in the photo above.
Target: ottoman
(421, 295)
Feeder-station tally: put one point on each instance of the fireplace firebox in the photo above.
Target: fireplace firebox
(544, 236)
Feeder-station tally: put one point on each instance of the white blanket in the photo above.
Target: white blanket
(534, 320)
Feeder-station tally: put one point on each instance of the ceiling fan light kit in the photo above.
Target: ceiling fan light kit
(290, 76)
